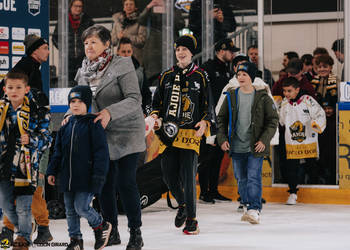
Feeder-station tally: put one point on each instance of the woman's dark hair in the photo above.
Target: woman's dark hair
(99, 31)
(130, 0)
(291, 81)
(72, 1)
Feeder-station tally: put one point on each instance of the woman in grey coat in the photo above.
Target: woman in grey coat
(117, 103)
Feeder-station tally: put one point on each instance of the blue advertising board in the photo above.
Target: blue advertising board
(19, 18)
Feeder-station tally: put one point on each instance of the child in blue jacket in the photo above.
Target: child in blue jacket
(81, 162)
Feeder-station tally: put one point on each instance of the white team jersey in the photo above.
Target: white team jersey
(303, 120)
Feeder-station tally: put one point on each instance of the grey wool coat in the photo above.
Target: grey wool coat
(119, 93)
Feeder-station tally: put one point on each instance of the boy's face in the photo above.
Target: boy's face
(328, 110)
(77, 107)
(183, 55)
(243, 78)
(290, 92)
(16, 89)
(324, 69)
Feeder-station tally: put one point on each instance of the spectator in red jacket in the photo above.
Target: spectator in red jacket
(294, 69)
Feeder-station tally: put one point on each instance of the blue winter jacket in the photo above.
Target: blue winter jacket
(81, 158)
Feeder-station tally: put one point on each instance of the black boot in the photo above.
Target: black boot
(6, 235)
(75, 244)
(114, 238)
(135, 241)
(102, 233)
(44, 235)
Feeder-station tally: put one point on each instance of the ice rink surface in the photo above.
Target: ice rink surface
(303, 226)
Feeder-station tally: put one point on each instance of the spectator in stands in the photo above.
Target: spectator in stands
(287, 56)
(152, 17)
(211, 155)
(338, 49)
(224, 20)
(316, 53)
(328, 142)
(294, 69)
(126, 25)
(78, 22)
(253, 54)
(282, 74)
(125, 49)
(307, 65)
(325, 82)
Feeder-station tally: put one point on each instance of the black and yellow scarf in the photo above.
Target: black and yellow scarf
(21, 159)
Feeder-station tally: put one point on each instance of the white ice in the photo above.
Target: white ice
(303, 226)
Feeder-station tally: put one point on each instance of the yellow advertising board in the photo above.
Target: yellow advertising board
(344, 149)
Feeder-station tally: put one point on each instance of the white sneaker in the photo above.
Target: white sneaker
(292, 199)
(252, 216)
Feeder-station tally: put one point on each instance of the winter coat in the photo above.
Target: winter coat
(264, 120)
(219, 75)
(132, 29)
(119, 93)
(80, 159)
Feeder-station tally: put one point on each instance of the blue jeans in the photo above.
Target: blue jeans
(78, 205)
(20, 214)
(247, 170)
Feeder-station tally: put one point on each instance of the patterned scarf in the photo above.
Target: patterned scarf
(92, 70)
(75, 22)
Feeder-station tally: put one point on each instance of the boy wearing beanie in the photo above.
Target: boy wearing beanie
(247, 122)
(81, 162)
(180, 101)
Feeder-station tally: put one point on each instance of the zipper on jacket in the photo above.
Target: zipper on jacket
(70, 157)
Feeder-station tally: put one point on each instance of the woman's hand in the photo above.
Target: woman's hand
(154, 3)
(51, 180)
(104, 116)
(65, 120)
(202, 127)
(25, 139)
(259, 147)
(225, 146)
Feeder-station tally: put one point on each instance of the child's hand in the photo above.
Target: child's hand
(157, 124)
(65, 120)
(51, 180)
(259, 147)
(25, 139)
(225, 146)
(202, 127)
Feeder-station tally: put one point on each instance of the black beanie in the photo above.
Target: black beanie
(32, 42)
(249, 68)
(82, 92)
(188, 41)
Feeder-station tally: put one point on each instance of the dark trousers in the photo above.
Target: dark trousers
(295, 173)
(121, 178)
(179, 167)
(209, 168)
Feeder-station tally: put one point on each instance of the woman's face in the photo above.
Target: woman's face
(183, 56)
(77, 8)
(94, 47)
(129, 7)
